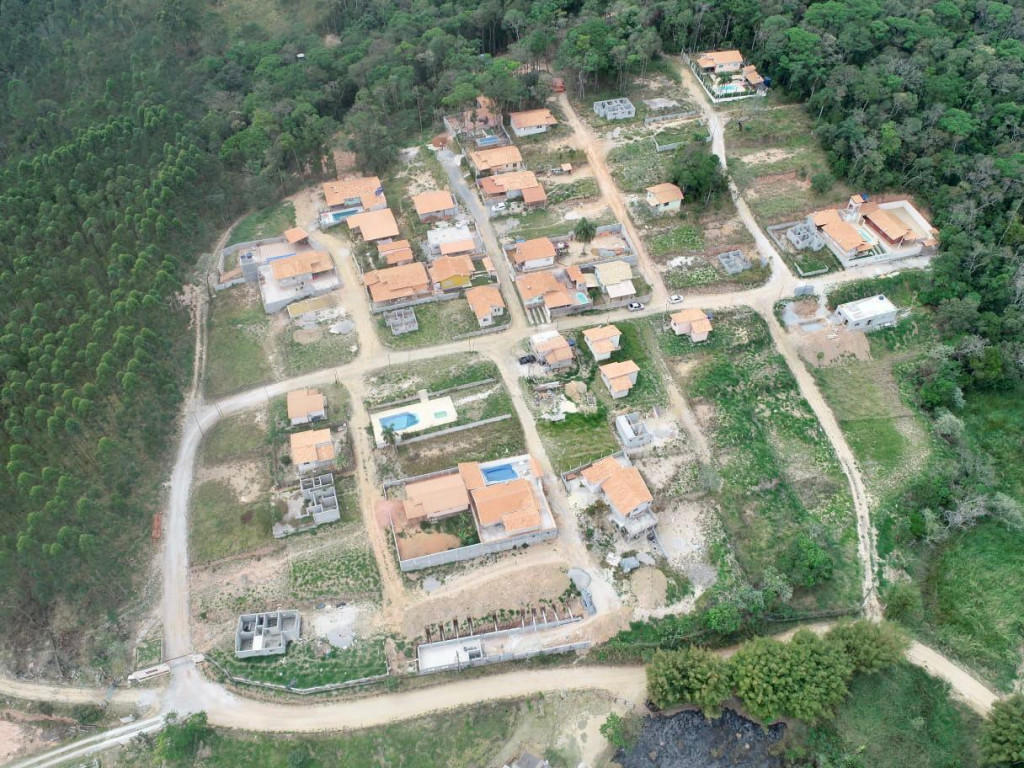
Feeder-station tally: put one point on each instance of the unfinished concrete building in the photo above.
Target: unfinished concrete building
(266, 634)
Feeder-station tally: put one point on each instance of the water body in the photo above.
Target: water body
(688, 740)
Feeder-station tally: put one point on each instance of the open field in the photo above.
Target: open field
(637, 165)
(238, 331)
(579, 439)
(404, 380)
(780, 480)
(483, 443)
(303, 350)
(224, 526)
(310, 663)
(345, 569)
(266, 222)
(556, 219)
(439, 322)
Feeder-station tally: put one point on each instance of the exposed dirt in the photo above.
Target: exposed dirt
(767, 156)
(248, 479)
(419, 544)
(831, 345)
(306, 336)
(17, 739)
(648, 586)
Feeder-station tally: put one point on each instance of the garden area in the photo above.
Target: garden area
(310, 663)
(345, 569)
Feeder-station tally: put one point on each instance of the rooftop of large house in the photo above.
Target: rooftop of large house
(302, 402)
(840, 230)
(665, 193)
(425, 498)
(311, 446)
(295, 235)
(545, 284)
(486, 159)
(612, 272)
(307, 262)
(601, 470)
(718, 58)
(512, 503)
(433, 202)
(367, 188)
(533, 118)
(374, 225)
(396, 252)
(445, 267)
(503, 183)
(397, 282)
(626, 489)
(440, 235)
(453, 247)
(484, 298)
(532, 250)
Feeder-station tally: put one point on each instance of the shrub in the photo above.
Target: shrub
(903, 602)
(621, 732)
(807, 562)
(688, 676)
(870, 647)
(1002, 736)
(822, 182)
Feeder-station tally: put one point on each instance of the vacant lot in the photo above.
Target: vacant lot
(439, 322)
(301, 350)
(224, 526)
(343, 569)
(637, 165)
(780, 480)
(264, 223)
(310, 662)
(483, 443)
(579, 439)
(239, 330)
(401, 381)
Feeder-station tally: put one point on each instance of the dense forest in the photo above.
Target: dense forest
(130, 132)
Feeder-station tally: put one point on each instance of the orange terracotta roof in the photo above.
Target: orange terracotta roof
(295, 235)
(363, 187)
(487, 264)
(486, 159)
(574, 273)
(626, 490)
(601, 332)
(618, 375)
(531, 250)
(397, 282)
(396, 253)
(827, 216)
(305, 263)
(601, 470)
(513, 502)
(556, 299)
(453, 247)
(688, 315)
(483, 299)
(471, 475)
(302, 402)
(752, 75)
(846, 235)
(433, 202)
(532, 118)
(701, 326)
(435, 495)
(535, 284)
(533, 195)
(374, 225)
(503, 183)
(721, 57)
(665, 193)
(445, 267)
(889, 225)
(312, 445)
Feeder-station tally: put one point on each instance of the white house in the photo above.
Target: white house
(619, 378)
(531, 122)
(486, 303)
(602, 341)
(664, 198)
(691, 322)
(528, 255)
(867, 314)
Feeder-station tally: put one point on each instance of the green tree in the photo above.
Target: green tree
(585, 230)
(806, 562)
(698, 173)
(688, 676)
(179, 741)
(870, 647)
(621, 732)
(1002, 735)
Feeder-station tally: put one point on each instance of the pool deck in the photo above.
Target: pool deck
(429, 414)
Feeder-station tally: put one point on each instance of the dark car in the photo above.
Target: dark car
(527, 359)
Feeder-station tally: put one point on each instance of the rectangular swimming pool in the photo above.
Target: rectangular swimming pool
(499, 474)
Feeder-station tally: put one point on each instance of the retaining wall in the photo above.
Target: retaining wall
(299, 691)
(511, 657)
(474, 550)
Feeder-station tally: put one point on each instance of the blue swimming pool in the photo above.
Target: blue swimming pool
(729, 88)
(399, 421)
(582, 298)
(500, 473)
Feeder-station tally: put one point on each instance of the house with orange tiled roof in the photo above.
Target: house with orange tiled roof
(451, 273)
(374, 225)
(435, 205)
(434, 498)
(691, 322)
(602, 341)
(552, 293)
(346, 197)
(297, 276)
(872, 232)
(620, 377)
(531, 122)
(396, 253)
(517, 185)
(296, 235)
(311, 450)
(552, 350)
(624, 490)
(664, 198)
(528, 255)
(306, 405)
(394, 284)
(496, 160)
(717, 62)
(486, 303)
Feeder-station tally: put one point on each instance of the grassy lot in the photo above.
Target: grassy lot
(579, 439)
(400, 381)
(345, 571)
(264, 223)
(490, 441)
(467, 739)
(309, 664)
(221, 526)
(995, 423)
(683, 237)
(233, 436)
(581, 189)
(901, 718)
(236, 357)
(325, 352)
(439, 321)
(637, 165)
(780, 477)
(637, 342)
(548, 222)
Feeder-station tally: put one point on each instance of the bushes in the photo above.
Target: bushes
(1002, 737)
(621, 732)
(807, 562)
(805, 679)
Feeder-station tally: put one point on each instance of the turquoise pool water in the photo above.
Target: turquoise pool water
(500, 473)
(582, 298)
(730, 88)
(400, 421)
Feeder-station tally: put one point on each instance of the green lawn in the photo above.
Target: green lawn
(577, 440)
(439, 322)
(236, 358)
(973, 590)
(995, 423)
(901, 718)
(221, 526)
(233, 436)
(264, 223)
(580, 189)
(780, 475)
(327, 351)
(637, 165)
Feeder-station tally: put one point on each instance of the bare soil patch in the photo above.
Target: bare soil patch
(829, 346)
(424, 543)
(306, 336)
(767, 156)
(649, 586)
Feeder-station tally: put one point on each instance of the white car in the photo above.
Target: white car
(635, 306)
(675, 298)
(498, 207)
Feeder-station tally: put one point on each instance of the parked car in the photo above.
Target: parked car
(498, 207)
(675, 298)
(527, 359)
(635, 306)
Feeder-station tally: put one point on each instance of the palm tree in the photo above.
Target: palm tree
(585, 230)
(390, 435)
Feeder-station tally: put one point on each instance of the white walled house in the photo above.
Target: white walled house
(867, 314)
